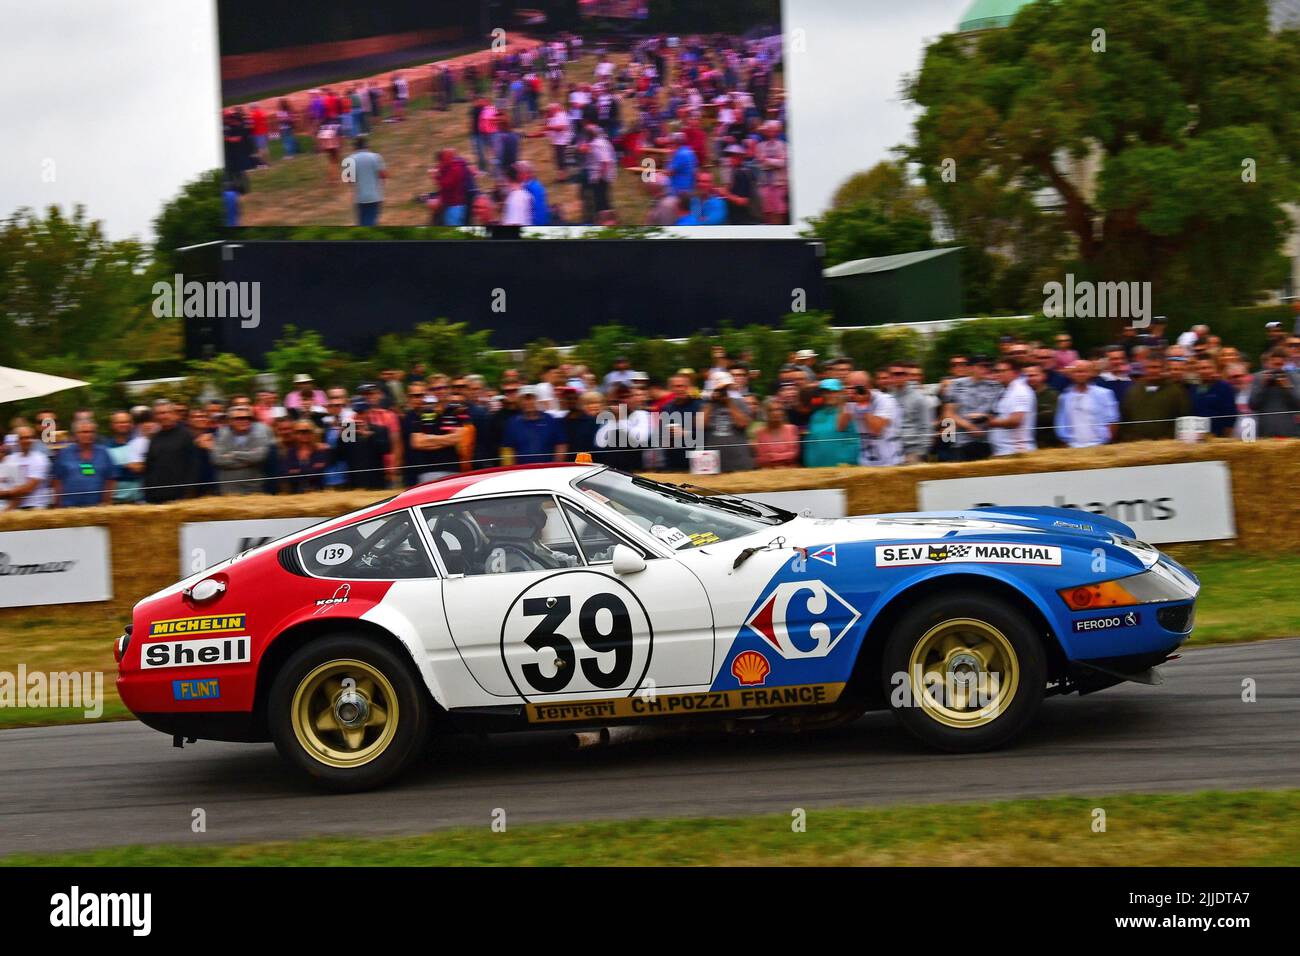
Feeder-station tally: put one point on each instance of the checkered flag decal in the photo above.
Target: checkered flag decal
(958, 550)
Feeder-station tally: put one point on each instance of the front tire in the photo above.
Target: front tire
(348, 712)
(964, 672)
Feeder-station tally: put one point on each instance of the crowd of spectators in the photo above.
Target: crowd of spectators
(416, 425)
(696, 120)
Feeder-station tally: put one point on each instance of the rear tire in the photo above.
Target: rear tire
(974, 668)
(348, 712)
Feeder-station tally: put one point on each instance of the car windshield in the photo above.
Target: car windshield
(677, 516)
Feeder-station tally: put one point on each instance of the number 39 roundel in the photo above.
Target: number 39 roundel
(576, 632)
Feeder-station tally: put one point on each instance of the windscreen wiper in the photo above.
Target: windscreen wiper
(736, 504)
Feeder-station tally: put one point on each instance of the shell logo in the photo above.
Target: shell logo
(750, 668)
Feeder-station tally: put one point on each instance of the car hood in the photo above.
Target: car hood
(937, 524)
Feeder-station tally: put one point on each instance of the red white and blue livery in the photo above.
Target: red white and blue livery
(577, 596)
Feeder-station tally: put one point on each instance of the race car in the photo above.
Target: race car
(578, 596)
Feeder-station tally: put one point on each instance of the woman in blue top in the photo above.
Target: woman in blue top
(832, 438)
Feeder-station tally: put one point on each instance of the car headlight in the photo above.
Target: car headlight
(1149, 587)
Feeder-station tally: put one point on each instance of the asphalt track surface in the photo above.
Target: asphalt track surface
(101, 785)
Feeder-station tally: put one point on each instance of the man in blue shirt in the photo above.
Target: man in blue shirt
(532, 434)
(528, 177)
(712, 207)
(683, 167)
(1215, 399)
(83, 471)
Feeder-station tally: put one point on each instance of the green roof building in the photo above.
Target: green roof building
(990, 14)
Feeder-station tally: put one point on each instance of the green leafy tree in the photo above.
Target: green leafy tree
(193, 217)
(863, 231)
(226, 373)
(1160, 158)
(67, 290)
(298, 352)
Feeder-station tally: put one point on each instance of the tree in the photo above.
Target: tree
(887, 187)
(1164, 148)
(861, 231)
(194, 216)
(67, 291)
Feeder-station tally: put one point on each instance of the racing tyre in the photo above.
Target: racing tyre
(349, 712)
(975, 672)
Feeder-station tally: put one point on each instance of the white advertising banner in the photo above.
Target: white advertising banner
(1161, 503)
(205, 543)
(55, 566)
(819, 502)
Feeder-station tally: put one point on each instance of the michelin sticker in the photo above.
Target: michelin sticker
(904, 555)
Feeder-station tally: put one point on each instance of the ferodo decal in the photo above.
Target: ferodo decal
(1110, 622)
(966, 552)
(207, 624)
(576, 632)
(208, 650)
(678, 705)
(803, 619)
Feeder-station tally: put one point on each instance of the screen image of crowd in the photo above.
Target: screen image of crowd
(417, 425)
(669, 131)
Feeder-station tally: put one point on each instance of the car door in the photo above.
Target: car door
(537, 612)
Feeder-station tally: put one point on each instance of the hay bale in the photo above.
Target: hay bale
(146, 538)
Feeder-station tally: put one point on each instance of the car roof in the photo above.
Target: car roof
(549, 476)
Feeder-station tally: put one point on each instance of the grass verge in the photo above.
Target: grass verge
(1251, 828)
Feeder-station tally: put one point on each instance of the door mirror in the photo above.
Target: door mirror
(627, 561)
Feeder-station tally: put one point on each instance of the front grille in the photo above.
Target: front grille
(1177, 619)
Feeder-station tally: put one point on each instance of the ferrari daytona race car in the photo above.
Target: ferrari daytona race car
(576, 596)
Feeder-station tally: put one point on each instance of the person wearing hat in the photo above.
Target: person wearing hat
(725, 421)
(533, 435)
(380, 417)
(739, 191)
(1276, 337)
(305, 397)
(831, 438)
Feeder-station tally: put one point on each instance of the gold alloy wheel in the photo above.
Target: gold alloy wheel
(344, 713)
(963, 673)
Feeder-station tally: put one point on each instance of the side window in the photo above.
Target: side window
(502, 535)
(379, 549)
(596, 542)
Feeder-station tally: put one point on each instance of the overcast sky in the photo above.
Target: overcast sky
(114, 103)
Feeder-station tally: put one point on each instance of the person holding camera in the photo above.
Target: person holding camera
(725, 421)
(1275, 398)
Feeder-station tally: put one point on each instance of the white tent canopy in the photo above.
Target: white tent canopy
(17, 385)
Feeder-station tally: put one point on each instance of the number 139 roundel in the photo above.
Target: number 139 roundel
(578, 596)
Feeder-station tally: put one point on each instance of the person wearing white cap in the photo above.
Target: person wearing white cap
(305, 396)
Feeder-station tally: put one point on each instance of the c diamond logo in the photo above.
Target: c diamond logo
(803, 619)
